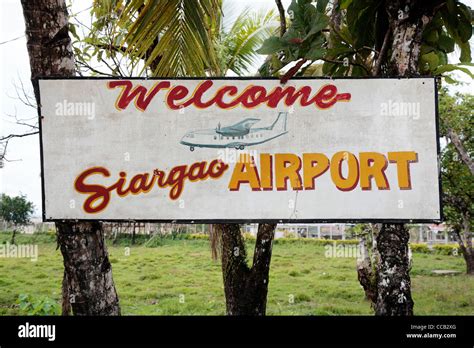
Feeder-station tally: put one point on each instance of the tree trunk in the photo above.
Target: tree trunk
(393, 271)
(406, 20)
(66, 304)
(365, 270)
(245, 288)
(468, 251)
(133, 233)
(89, 273)
(465, 243)
(87, 268)
(463, 153)
(469, 263)
(13, 237)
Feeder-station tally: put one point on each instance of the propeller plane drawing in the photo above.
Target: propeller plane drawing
(239, 135)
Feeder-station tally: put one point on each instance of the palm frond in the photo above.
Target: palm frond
(247, 33)
(172, 36)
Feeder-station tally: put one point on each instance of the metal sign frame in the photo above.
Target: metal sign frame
(243, 221)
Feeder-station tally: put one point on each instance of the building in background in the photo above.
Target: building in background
(419, 233)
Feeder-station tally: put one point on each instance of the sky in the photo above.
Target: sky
(21, 174)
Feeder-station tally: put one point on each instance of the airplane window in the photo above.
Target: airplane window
(215, 137)
(233, 138)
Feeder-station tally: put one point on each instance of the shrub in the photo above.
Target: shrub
(315, 241)
(248, 236)
(30, 305)
(153, 242)
(420, 248)
(446, 249)
(196, 236)
(441, 249)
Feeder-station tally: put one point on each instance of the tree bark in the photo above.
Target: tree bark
(393, 271)
(88, 275)
(365, 269)
(245, 287)
(13, 237)
(464, 240)
(406, 20)
(469, 264)
(468, 252)
(460, 149)
(469, 258)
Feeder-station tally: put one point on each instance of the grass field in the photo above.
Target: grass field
(179, 278)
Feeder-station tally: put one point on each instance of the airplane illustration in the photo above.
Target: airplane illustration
(238, 136)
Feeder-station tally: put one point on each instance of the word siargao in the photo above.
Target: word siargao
(280, 169)
(99, 195)
(225, 97)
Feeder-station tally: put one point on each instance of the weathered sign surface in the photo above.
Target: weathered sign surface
(240, 149)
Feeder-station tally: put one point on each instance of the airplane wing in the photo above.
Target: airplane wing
(238, 129)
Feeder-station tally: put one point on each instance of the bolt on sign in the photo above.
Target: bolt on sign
(240, 150)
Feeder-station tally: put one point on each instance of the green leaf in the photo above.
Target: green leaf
(185, 46)
(446, 43)
(321, 5)
(442, 57)
(425, 49)
(431, 36)
(358, 71)
(465, 52)
(72, 30)
(271, 45)
(432, 60)
(344, 4)
(465, 18)
(315, 53)
(319, 22)
(338, 51)
(316, 50)
(465, 30)
(452, 67)
(298, 10)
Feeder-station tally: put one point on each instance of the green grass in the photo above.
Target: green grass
(178, 277)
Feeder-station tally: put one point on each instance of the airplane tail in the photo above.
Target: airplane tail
(280, 120)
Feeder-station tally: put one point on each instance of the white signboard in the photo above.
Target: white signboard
(240, 149)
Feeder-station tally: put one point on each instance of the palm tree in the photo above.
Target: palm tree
(236, 47)
(165, 37)
(172, 38)
(88, 286)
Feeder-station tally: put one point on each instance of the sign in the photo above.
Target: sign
(240, 150)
